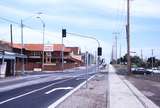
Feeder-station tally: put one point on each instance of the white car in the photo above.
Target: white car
(156, 71)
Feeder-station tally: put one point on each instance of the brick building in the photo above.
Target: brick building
(52, 59)
(34, 58)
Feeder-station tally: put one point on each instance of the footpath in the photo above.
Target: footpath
(122, 94)
(108, 91)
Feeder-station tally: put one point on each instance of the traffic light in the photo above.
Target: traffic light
(99, 51)
(63, 33)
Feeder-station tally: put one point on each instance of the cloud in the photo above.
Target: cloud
(82, 21)
(146, 8)
(140, 8)
(40, 2)
(11, 11)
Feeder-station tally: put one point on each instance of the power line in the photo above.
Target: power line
(13, 22)
(10, 21)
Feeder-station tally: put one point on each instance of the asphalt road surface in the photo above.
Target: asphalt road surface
(43, 94)
(149, 88)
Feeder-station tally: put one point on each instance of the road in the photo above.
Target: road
(43, 94)
(150, 88)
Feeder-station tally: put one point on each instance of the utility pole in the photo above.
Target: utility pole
(11, 34)
(128, 37)
(112, 54)
(116, 33)
(120, 54)
(116, 47)
(142, 54)
(152, 58)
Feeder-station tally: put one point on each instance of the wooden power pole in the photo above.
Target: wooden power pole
(128, 37)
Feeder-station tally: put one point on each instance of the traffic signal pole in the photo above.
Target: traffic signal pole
(93, 38)
(62, 53)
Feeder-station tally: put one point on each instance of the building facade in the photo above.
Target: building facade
(49, 58)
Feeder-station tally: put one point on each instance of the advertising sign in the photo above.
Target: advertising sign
(48, 48)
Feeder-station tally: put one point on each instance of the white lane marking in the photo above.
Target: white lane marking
(80, 78)
(60, 88)
(16, 97)
(68, 94)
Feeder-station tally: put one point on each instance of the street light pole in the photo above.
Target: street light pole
(22, 46)
(22, 41)
(43, 46)
(43, 25)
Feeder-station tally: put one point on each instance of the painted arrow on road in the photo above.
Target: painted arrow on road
(60, 88)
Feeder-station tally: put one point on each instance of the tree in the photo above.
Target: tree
(155, 62)
(135, 60)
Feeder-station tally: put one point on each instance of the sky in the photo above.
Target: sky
(95, 18)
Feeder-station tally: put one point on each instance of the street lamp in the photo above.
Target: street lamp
(43, 25)
(22, 42)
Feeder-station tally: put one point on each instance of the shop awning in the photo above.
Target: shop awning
(11, 55)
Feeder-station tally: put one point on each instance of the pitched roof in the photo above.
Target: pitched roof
(33, 47)
(58, 47)
(75, 50)
(18, 46)
(39, 47)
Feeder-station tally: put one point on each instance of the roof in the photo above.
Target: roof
(58, 47)
(39, 47)
(75, 50)
(5, 46)
(33, 47)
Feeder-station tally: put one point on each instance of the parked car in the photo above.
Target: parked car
(156, 71)
(141, 70)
